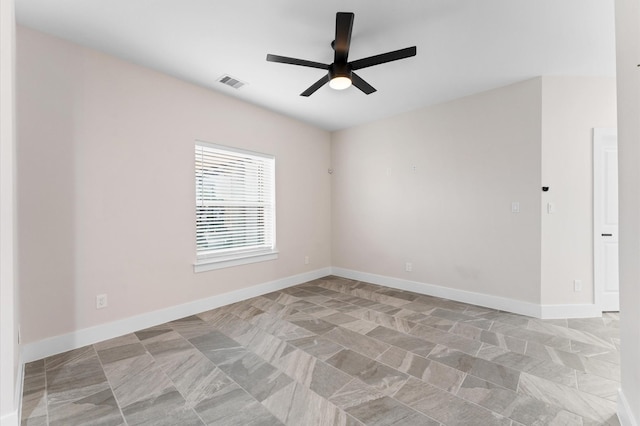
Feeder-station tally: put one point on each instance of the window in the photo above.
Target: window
(235, 207)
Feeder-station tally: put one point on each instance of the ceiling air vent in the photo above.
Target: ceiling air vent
(231, 82)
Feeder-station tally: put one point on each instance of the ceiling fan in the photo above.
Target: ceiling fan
(341, 73)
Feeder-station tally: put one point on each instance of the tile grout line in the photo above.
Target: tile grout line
(110, 385)
(46, 390)
(519, 377)
(171, 380)
(352, 377)
(217, 367)
(455, 396)
(294, 380)
(526, 346)
(465, 374)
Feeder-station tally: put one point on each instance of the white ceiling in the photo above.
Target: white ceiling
(464, 46)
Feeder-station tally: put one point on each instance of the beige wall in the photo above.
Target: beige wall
(628, 58)
(451, 217)
(571, 108)
(9, 309)
(106, 187)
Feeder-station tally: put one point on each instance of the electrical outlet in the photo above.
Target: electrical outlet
(408, 267)
(101, 301)
(577, 285)
(306, 260)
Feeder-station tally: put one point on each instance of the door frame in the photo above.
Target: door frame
(600, 136)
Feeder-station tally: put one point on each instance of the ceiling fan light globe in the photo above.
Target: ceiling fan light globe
(340, 83)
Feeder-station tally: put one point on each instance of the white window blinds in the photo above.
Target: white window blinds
(235, 201)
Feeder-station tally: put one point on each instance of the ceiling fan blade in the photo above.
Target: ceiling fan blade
(361, 84)
(295, 61)
(344, 25)
(315, 86)
(384, 57)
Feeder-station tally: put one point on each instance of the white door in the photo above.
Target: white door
(605, 219)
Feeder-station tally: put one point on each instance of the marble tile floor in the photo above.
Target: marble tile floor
(337, 352)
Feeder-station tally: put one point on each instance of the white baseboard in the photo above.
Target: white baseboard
(58, 344)
(481, 299)
(570, 311)
(10, 419)
(13, 418)
(486, 300)
(19, 387)
(88, 336)
(625, 415)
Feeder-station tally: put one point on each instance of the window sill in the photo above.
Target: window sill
(237, 259)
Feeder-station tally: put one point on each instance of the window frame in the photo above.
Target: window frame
(224, 258)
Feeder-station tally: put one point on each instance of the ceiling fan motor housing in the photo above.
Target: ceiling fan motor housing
(339, 70)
